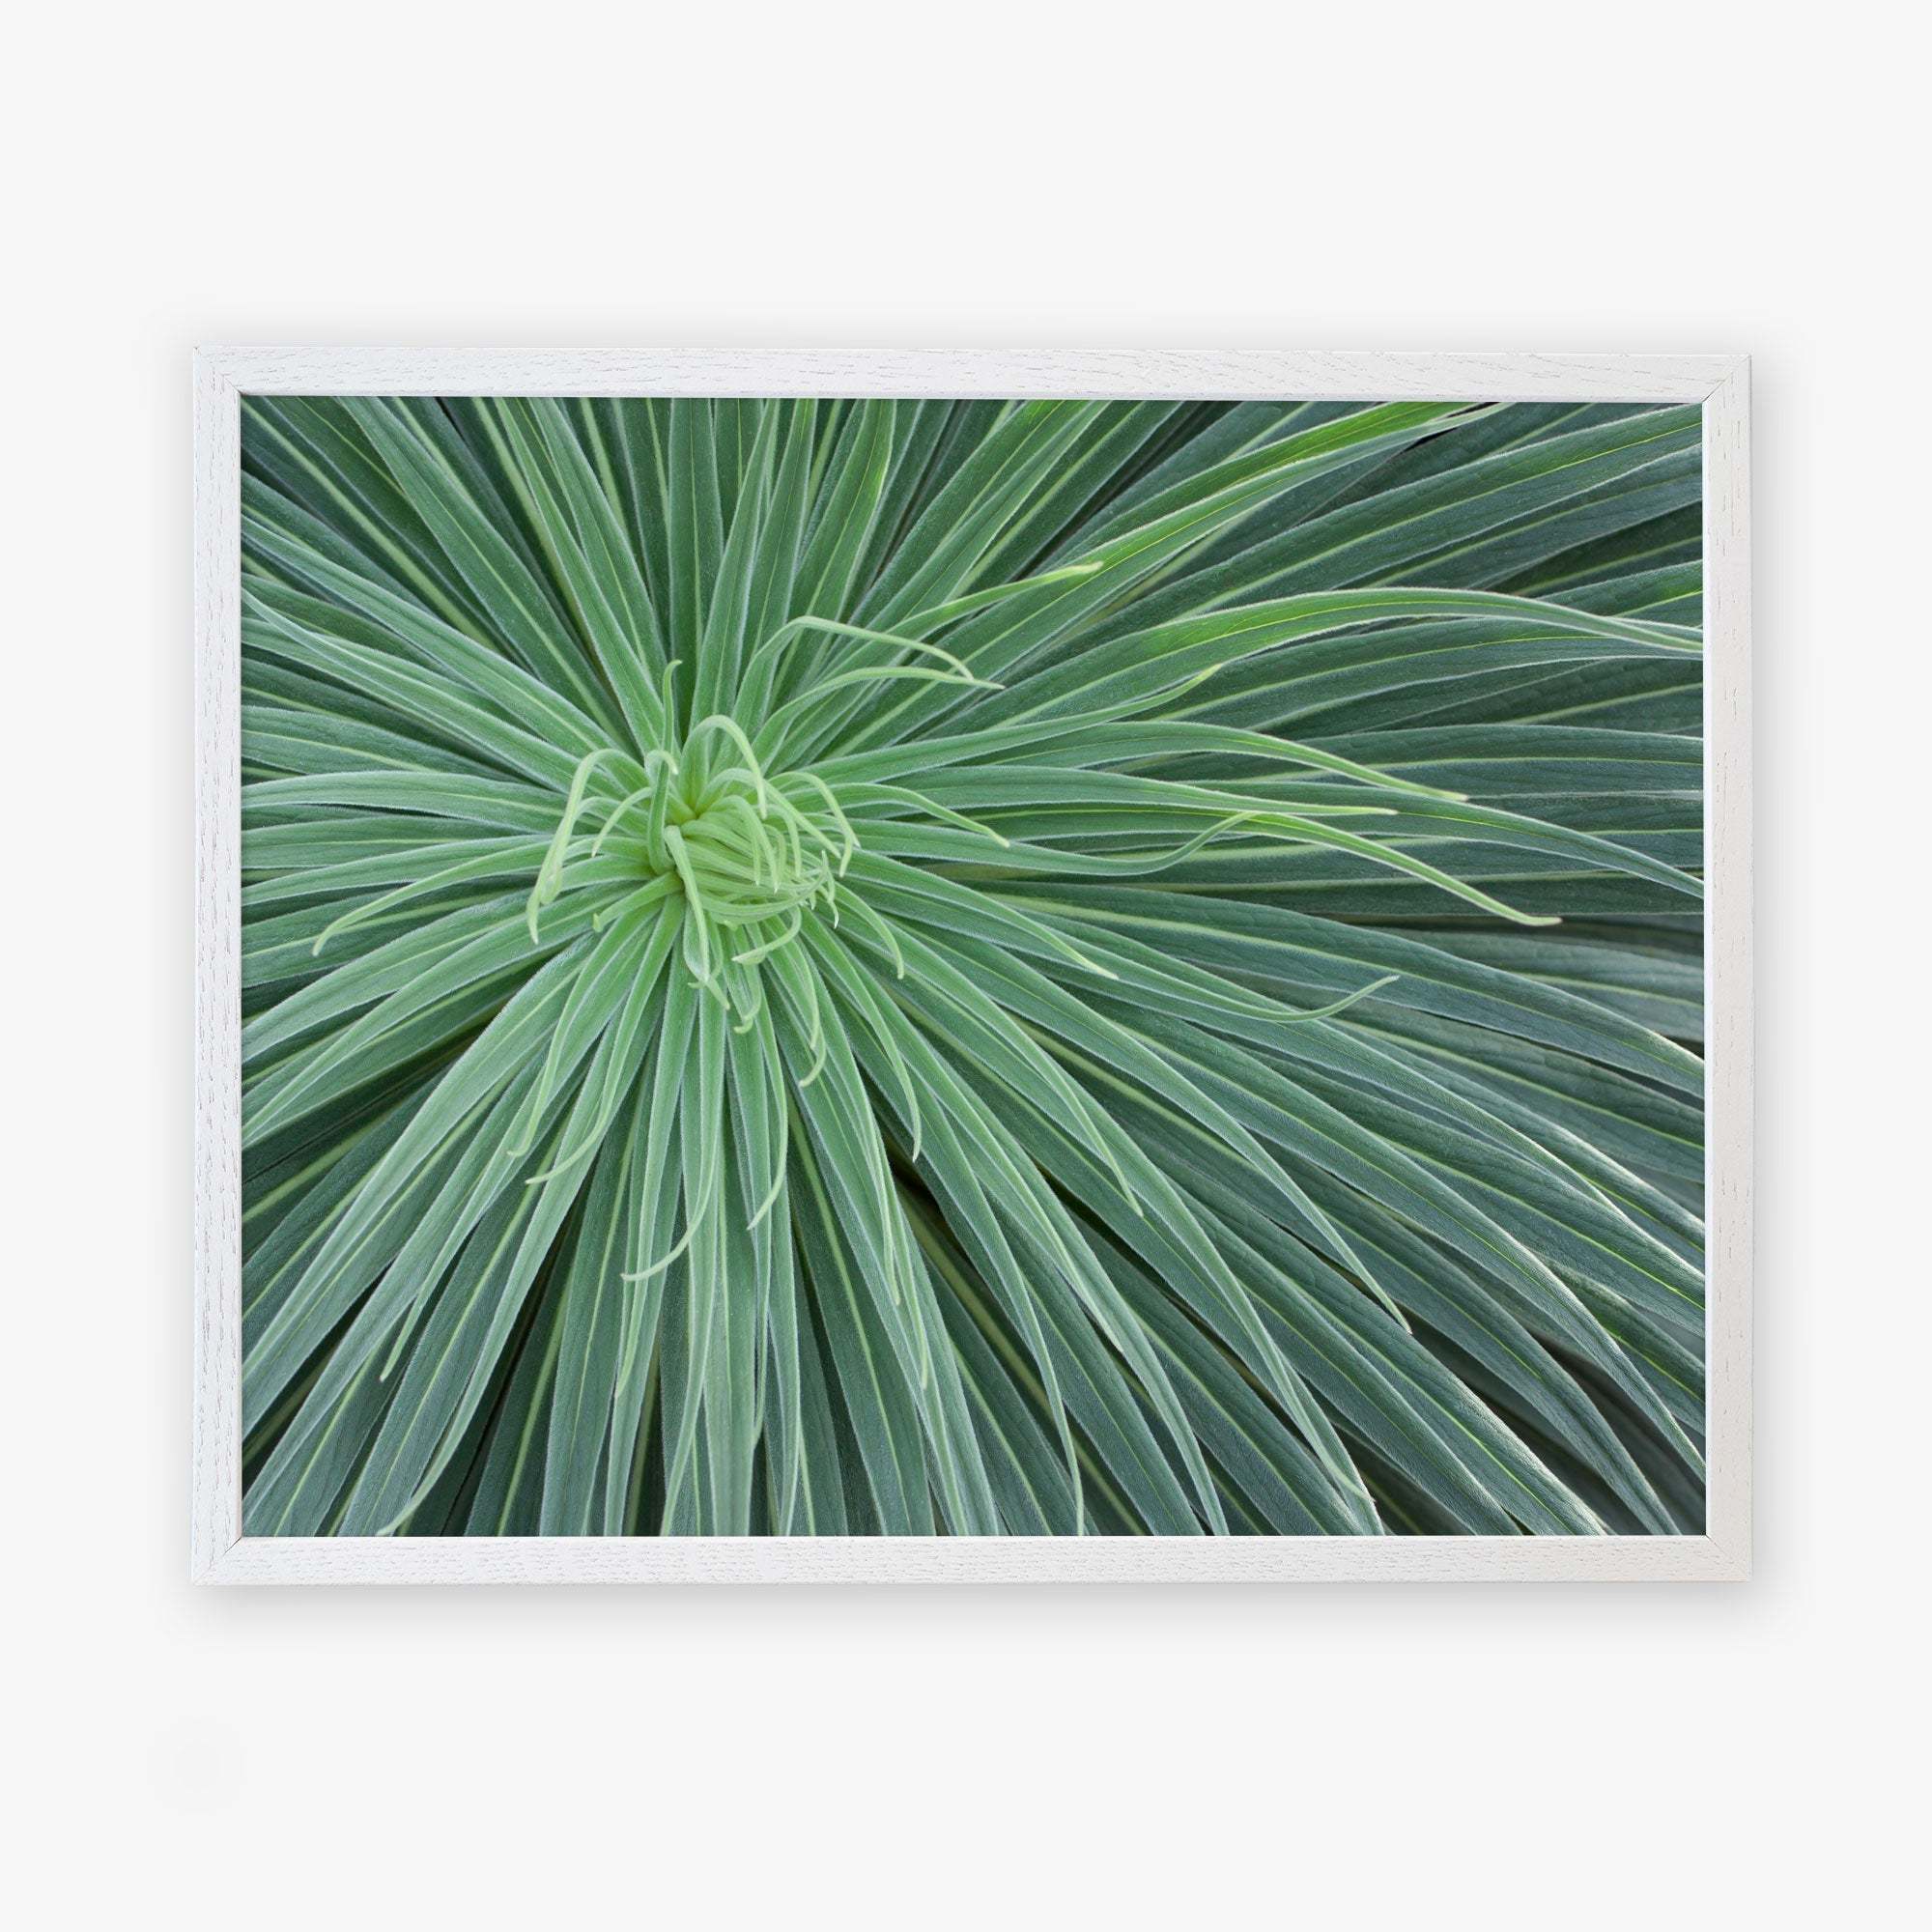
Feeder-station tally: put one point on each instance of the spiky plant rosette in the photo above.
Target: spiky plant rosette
(971, 968)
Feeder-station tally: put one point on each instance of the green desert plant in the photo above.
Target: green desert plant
(868, 967)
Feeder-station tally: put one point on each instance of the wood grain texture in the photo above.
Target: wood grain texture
(215, 1506)
(220, 1554)
(1206, 374)
(952, 1559)
(1728, 1124)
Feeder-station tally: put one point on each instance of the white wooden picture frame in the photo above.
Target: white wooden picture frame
(219, 1551)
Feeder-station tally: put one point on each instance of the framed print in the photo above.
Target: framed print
(984, 966)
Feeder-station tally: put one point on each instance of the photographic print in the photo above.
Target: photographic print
(829, 966)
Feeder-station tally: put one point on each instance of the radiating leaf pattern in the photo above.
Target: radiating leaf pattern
(1050, 967)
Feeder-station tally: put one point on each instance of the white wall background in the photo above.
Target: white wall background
(1634, 175)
